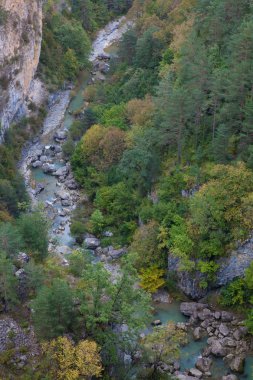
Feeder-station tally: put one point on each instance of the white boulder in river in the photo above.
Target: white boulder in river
(48, 168)
(62, 194)
(92, 242)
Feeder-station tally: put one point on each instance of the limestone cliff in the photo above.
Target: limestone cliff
(230, 267)
(20, 44)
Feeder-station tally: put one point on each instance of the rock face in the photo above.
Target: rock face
(20, 44)
(231, 267)
(236, 264)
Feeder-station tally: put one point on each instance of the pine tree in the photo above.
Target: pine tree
(8, 282)
(53, 309)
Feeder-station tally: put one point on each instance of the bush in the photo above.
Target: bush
(233, 294)
(3, 16)
(78, 229)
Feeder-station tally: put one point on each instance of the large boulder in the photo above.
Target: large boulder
(217, 348)
(60, 135)
(39, 188)
(116, 253)
(92, 243)
(205, 314)
(237, 364)
(20, 273)
(196, 373)
(189, 308)
(57, 148)
(37, 164)
(229, 342)
(223, 329)
(66, 202)
(71, 184)
(226, 316)
(240, 333)
(198, 333)
(63, 195)
(22, 259)
(63, 250)
(161, 296)
(157, 322)
(48, 168)
(43, 158)
(48, 150)
(62, 172)
(204, 364)
(181, 376)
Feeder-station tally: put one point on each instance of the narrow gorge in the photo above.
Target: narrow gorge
(126, 182)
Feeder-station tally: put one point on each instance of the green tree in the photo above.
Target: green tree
(162, 346)
(8, 196)
(8, 282)
(249, 277)
(71, 35)
(115, 116)
(139, 165)
(10, 239)
(35, 276)
(85, 12)
(148, 49)
(118, 206)
(234, 293)
(97, 222)
(78, 261)
(174, 110)
(34, 229)
(145, 244)
(71, 65)
(249, 321)
(107, 305)
(53, 309)
(127, 47)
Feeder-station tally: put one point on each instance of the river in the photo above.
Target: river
(60, 200)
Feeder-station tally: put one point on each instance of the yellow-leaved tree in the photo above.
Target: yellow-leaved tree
(66, 361)
(152, 278)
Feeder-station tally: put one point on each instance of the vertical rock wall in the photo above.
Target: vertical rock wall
(20, 44)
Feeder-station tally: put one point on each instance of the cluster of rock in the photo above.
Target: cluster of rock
(19, 340)
(22, 290)
(106, 254)
(45, 157)
(227, 338)
(101, 66)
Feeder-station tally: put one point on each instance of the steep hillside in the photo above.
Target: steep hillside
(20, 44)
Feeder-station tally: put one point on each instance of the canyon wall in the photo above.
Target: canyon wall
(20, 44)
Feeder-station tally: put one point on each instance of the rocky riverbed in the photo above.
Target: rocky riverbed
(47, 174)
(224, 342)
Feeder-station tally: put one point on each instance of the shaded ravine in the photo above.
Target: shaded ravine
(49, 181)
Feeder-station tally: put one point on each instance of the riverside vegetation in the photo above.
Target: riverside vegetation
(164, 151)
